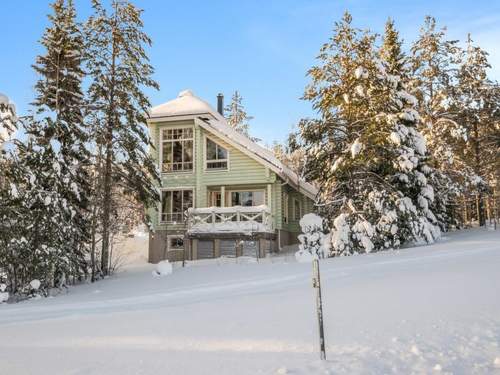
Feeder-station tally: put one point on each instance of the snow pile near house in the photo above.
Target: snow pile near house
(35, 284)
(163, 268)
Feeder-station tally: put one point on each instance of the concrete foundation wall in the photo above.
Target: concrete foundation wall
(158, 245)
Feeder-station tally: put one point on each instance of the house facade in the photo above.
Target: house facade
(221, 193)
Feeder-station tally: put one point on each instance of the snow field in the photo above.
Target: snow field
(424, 310)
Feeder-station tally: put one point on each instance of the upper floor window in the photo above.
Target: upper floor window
(216, 156)
(177, 149)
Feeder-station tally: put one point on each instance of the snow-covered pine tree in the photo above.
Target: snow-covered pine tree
(292, 154)
(119, 70)
(364, 151)
(477, 107)
(237, 116)
(433, 62)
(391, 51)
(62, 134)
(38, 217)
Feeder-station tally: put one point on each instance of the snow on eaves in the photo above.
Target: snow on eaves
(188, 104)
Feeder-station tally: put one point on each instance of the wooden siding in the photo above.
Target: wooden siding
(242, 172)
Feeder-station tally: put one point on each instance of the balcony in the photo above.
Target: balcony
(237, 219)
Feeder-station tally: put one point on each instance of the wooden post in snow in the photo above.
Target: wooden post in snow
(319, 308)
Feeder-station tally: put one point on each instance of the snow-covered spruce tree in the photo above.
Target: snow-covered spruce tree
(38, 217)
(398, 64)
(364, 151)
(62, 135)
(119, 69)
(476, 103)
(312, 238)
(434, 62)
(237, 116)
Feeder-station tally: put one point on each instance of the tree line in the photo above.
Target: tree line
(405, 145)
(83, 169)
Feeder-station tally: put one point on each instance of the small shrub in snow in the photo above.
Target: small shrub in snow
(163, 268)
(312, 239)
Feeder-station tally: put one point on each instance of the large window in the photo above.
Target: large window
(177, 150)
(174, 203)
(247, 198)
(216, 155)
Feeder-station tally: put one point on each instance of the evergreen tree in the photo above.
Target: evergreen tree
(61, 136)
(119, 70)
(434, 76)
(365, 151)
(391, 51)
(38, 219)
(477, 106)
(237, 116)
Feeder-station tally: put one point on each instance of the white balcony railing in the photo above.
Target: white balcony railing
(237, 219)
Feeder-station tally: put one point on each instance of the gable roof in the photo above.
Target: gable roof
(188, 105)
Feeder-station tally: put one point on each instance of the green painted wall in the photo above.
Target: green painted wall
(243, 172)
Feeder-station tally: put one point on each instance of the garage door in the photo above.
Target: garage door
(250, 248)
(228, 248)
(205, 249)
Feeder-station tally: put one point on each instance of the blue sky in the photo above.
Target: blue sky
(261, 48)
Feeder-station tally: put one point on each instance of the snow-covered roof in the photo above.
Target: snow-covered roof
(188, 105)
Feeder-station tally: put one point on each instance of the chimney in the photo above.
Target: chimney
(220, 104)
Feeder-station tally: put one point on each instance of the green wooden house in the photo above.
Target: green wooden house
(221, 193)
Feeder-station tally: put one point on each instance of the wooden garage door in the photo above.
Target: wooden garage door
(205, 249)
(228, 248)
(250, 248)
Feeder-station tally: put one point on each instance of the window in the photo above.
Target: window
(296, 210)
(177, 150)
(175, 243)
(285, 208)
(216, 199)
(216, 155)
(173, 205)
(247, 198)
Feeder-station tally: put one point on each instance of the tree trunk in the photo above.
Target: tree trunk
(108, 164)
(479, 196)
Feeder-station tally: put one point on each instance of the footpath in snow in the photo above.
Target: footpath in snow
(424, 310)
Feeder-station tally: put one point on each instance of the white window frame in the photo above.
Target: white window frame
(297, 204)
(161, 142)
(229, 201)
(206, 161)
(171, 236)
(160, 213)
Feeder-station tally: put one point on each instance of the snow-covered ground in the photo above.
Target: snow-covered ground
(425, 310)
